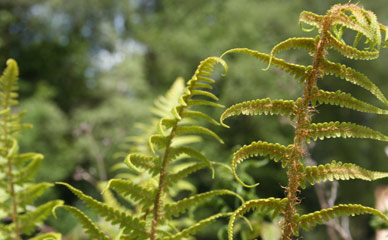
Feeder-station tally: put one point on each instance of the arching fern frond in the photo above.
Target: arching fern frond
(31, 193)
(353, 77)
(90, 228)
(139, 194)
(343, 130)
(338, 171)
(272, 206)
(131, 225)
(298, 71)
(342, 99)
(273, 151)
(310, 18)
(310, 220)
(176, 208)
(260, 106)
(196, 227)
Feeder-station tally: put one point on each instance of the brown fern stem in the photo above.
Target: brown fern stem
(158, 199)
(304, 115)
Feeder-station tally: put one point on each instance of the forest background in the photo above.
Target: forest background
(91, 69)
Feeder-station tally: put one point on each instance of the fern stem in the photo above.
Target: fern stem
(158, 199)
(11, 186)
(304, 115)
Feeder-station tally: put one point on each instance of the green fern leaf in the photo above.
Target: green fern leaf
(8, 84)
(266, 206)
(312, 19)
(149, 163)
(260, 106)
(310, 220)
(90, 228)
(197, 130)
(350, 52)
(298, 71)
(204, 93)
(136, 192)
(174, 177)
(353, 77)
(177, 208)
(28, 171)
(342, 99)
(196, 227)
(341, 129)
(48, 236)
(195, 102)
(292, 43)
(200, 115)
(274, 151)
(32, 192)
(159, 141)
(338, 171)
(131, 225)
(29, 220)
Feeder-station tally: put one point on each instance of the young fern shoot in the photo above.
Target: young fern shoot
(18, 191)
(161, 168)
(330, 28)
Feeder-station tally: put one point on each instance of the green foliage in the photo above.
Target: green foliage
(18, 169)
(156, 173)
(300, 113)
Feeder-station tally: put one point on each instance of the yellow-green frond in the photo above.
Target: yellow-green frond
(342, 99)
(353, 77)
(338, 171)
(177, 208)
(148, 163)
(341, 129)
(272, 206)
(48, 236)
(310, 220)
(196, 227)
(131, 225)
(312, 19)
(298, 71)
(87, 224)
(8, 84)
(197, 130)
(273, 151)
(32, 192)
(260, 106)
(139, 194)
(28, 222)
(172, 178)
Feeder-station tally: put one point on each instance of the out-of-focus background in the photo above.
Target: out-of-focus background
(90, 70)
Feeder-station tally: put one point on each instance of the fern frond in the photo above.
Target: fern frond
(342, 99)
(292, 43)
(260, 106)
(177, 208)
(29, 220)
(310, 220)
(87, 224)
(338, 171)
(310, 18)
(126, 188)
(350, 52)
(189, 151)
(197, 130)
(149, 163)
(30, 194)
(196, 227)
(131, 225)
(9, 84)
(199, 115)
(341, 129)
(273, 151)
(353, 77)
(174, 177)
(159, 141)
(194, 102)
(48, 236)
(298, 71)
(266, 206)
(28, 171)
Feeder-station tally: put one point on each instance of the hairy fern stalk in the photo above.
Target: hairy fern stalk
(18, 191)
(300, 111)
(157, 171)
